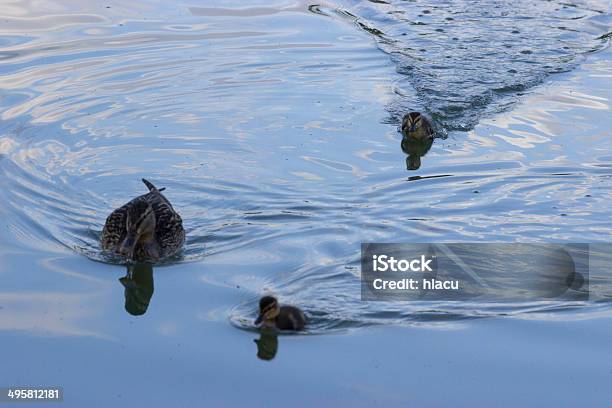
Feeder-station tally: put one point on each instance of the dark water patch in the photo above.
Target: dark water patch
(605, 36)
(493, 39)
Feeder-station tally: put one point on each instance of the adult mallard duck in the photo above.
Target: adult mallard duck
(145, 229)
(280, 317)
(417, 126)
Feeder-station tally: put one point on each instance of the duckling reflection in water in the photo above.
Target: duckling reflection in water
(267, 344)
(145, 229)
(138, 284)
(271, 315)
(415, 149)
(417, 138)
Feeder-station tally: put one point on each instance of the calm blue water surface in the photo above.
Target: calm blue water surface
(273, 126)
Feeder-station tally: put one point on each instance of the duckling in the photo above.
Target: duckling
(417, 126)
(280, 317)
(146, 229)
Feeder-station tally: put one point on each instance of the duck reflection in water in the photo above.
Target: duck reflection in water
(267, 344)
(138, 284)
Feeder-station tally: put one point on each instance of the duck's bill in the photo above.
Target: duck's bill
(258, 320)
(127, 246)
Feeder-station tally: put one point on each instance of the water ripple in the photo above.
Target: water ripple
(274, 142)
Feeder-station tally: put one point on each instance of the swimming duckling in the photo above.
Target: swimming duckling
(145, 229)
(280, 317)
(417, 126)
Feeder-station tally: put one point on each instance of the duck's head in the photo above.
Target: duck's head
(268, 309)
(140, 226)
(412, 122)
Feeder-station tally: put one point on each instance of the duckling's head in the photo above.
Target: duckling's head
(268, 309)
(412, 122)
(140, 226)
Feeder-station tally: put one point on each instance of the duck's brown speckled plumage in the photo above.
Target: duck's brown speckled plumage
(169, 233)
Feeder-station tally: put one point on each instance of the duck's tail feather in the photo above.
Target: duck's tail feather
(151, 187)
